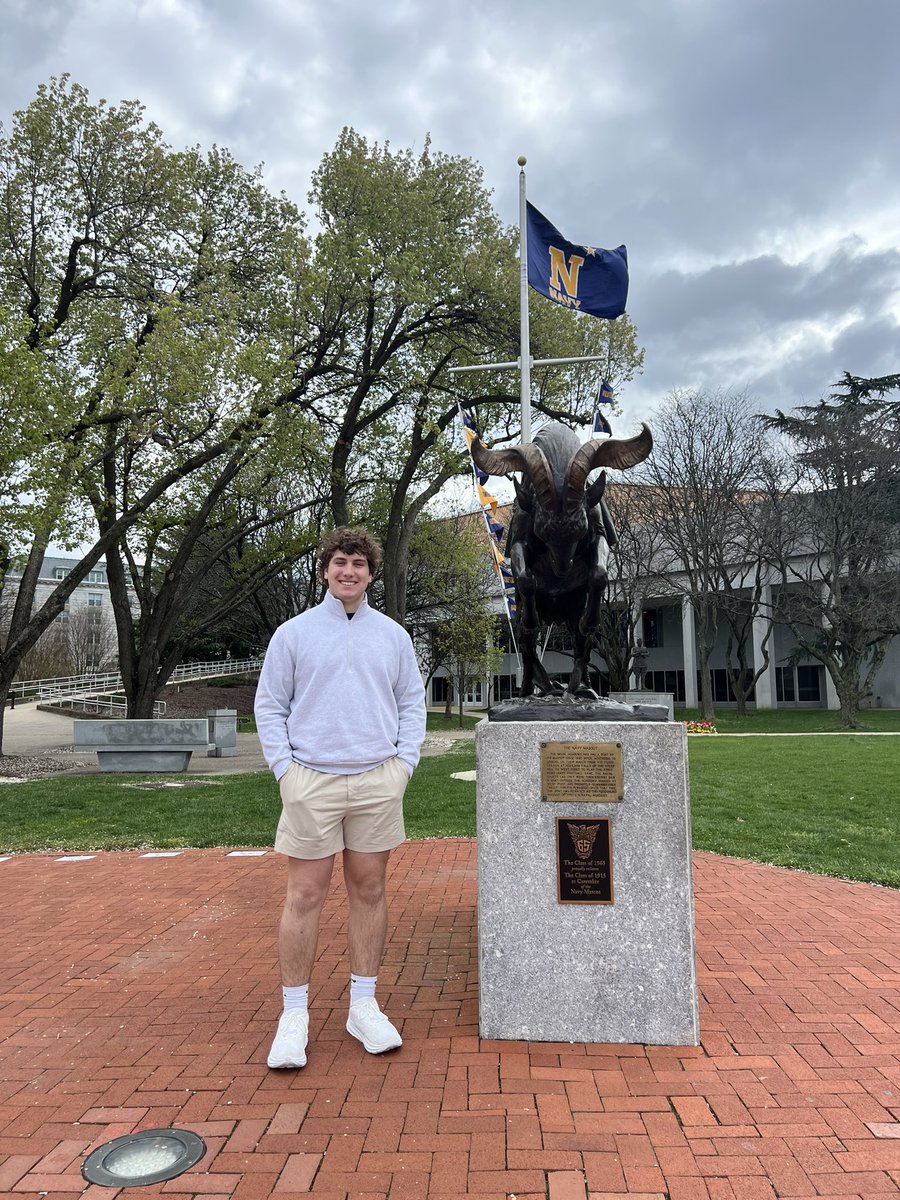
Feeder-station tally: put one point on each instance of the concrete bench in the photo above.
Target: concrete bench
(138, 745)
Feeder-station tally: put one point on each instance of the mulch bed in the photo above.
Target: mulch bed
(196, 699)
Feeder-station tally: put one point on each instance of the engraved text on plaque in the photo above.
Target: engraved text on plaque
(583, 861)
(582, 772)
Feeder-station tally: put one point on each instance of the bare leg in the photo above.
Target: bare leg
(298, 933)
(364, 877)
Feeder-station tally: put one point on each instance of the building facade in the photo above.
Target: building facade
(82, 639)
(667, 626)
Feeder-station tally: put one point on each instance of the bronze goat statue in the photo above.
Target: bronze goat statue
(559, 540)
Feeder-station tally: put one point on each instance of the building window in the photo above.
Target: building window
(808, 685)
(721, 687)
(97, 576)
(59, 572)
(651, 623)
(439, 689)
(95, 599)
(666, 681)
(504, 687)
(784, 685)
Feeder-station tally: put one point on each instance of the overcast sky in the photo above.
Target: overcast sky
(746, 151)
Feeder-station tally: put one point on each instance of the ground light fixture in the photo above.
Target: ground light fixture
(140, 1159)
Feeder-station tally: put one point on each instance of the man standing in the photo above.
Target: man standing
(340, 710)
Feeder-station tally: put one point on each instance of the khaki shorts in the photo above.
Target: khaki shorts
(322, 814)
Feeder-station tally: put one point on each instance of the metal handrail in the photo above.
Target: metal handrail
(96, 704)
(73, 686)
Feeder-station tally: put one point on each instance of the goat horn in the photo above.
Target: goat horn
(527, 458)
(617, 453)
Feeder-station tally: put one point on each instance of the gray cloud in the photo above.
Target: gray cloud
(746, 153)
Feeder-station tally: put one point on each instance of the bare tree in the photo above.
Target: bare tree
(635, 560)
(48, 657)
(90, 639)
(706, 470)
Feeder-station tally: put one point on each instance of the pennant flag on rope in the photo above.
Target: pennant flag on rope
(585, 278)
(488, 506)
(605, 395)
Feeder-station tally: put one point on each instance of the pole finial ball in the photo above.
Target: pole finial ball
(521, 160)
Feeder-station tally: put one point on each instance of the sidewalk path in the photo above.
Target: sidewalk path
(139, 992)
(29, 731)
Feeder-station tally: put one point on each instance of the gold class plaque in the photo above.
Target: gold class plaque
(582, 772)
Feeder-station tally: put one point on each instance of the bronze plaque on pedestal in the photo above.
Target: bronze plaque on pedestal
(582, 772)
(583, 861)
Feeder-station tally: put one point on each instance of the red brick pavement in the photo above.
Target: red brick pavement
(141, 992)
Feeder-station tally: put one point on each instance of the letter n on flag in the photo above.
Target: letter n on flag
(585, 278)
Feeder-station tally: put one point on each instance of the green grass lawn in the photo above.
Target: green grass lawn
(828, 805)
(109, 812)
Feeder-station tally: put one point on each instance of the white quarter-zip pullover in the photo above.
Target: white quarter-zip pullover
(340, 696)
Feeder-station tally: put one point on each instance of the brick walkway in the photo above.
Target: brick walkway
(140, 992)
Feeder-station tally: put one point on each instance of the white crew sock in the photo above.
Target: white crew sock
(295, 997)
(362, 987)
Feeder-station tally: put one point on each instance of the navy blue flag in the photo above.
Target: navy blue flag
(605, 395)
(585, 278)
(601, 425)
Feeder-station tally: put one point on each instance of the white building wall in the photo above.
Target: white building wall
(887, 682)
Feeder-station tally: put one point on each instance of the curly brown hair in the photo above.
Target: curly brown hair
(348, 540)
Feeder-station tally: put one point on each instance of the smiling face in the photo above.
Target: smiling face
(347, 577)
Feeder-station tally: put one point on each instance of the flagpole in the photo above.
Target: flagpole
(524, 334)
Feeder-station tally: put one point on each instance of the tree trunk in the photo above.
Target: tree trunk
(706, 640)
(398, 536)
(848, 710)
(846, 684)
(142, 693)
(394, 569)
(707, 705)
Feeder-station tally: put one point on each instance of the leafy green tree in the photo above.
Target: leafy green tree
(421, 275)
(835, 537)
(170, 336)
(470, 652)
(451, 581)
(281, 550)
(156, 305)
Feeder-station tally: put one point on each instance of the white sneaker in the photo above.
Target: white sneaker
(289, 1046)
(370, 1026)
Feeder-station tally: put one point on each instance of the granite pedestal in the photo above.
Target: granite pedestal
(621, 972)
